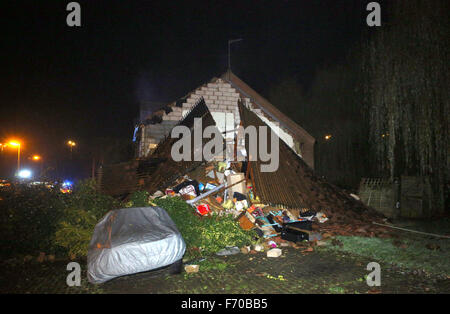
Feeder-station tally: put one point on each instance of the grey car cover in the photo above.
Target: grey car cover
(133, 240)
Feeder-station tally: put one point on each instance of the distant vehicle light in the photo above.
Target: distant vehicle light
(67, 183)
(66, 186)
(4, 183)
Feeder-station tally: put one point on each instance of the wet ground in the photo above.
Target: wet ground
(319, 271)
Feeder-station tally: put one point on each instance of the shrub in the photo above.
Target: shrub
(139, 199)
(85, 207)
(28, 218)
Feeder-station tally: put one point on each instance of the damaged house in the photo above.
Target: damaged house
(221, 96)
(227, 103)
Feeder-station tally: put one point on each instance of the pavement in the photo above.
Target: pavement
(296, 272)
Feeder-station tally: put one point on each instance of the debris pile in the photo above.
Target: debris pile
(221, 188)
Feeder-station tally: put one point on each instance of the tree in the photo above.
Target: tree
(406, 66)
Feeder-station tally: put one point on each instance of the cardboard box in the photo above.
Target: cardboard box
(240, 187)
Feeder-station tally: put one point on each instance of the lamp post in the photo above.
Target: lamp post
(16, 144)
(71, 145)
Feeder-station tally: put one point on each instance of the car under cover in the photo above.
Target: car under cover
(133, 240)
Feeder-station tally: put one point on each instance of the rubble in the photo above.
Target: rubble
(274, 252)
(191, 268)
(245, 250)
(229, 251)
(259, 248)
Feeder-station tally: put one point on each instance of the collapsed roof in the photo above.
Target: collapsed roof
(294, 184)
(158, 170)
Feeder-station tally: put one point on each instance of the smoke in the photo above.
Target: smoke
(144, 90)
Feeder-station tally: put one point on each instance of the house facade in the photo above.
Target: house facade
(221, 95)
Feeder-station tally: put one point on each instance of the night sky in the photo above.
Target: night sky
(60, 82)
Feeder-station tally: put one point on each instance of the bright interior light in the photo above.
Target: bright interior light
(24, 174)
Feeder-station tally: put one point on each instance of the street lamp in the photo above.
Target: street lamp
(16, 144)
(71, 145)
(38, 158)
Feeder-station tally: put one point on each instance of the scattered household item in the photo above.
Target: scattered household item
(187, 187)
(157, 194)
(240, 205)
(202, 196)
(259, 248)
(219, 175)
(321, 217)
(228, 204)
(272, 244)
(229, 250)
(239, 196)
(297, 231)
(245, 223)
(293, 235)
(210, 186)
(222, 166)
(240, 187)
(203, 209)
(170, 192)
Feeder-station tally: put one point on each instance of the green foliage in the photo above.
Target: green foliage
(139, 199)
(337, 290)
(75, 231)
(84, 208)
(204, 235)
(212, 263)
(86, 196)
(37, 219)
(28, 218)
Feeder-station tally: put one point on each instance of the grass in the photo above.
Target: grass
(413, 254)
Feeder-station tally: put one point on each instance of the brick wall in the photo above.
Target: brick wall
(219, 96)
